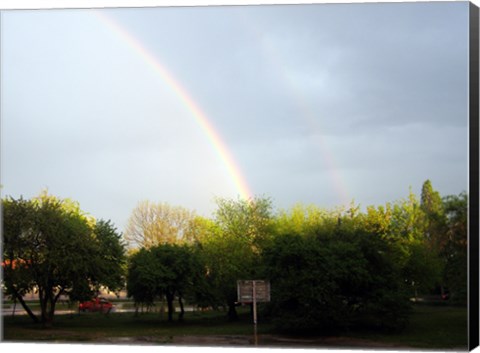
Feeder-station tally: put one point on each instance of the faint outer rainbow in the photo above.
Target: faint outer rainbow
(274, 58)
(187, 101)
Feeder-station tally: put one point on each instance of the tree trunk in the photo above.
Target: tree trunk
(47, 305)
(170, 297)
(182, 310)
(14, 306)
(43, 304)
(162, 308)
(51, 312)
(27, 309)
(232, 312)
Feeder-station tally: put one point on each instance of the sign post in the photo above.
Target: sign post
(253, 292)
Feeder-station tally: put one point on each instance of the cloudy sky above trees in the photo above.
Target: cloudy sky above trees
(316, 104)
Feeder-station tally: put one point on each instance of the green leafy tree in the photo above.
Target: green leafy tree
(407, 219)
(306, 219)
(142, 278)
(231, 248)
(455, 251)
(378, 220)
(227, 259)
(423, 268)
(434, 213)
(250, 220)
(431, 201)
(18, 225)
(407, 233)
(436, 227)
(167, 270)
(110, 266)
(52, 246)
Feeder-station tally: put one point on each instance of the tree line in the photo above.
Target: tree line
(328, 269)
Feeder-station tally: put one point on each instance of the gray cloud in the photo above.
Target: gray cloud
(316, 103)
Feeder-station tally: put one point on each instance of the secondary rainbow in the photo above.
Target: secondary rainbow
(307, 116)
(187, 101)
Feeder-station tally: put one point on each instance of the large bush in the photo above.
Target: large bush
(322, 283)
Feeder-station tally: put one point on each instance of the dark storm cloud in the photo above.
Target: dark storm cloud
(377, 59)
(347, 67)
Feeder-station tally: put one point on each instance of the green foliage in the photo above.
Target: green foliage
(49, 244)
(410, 230)
(378, 220)
(231, 248)
(336, 281)
(431, 201)
(306, 219)
(455, 249)
(110, 266)
(248, 220)
(167, 270)
(227, 259)
(446, 237)
(407, 220)
(435, 221)
(18, 222)
(142, 277)
(423, 268)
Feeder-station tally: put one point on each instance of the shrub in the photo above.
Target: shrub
(325, 283)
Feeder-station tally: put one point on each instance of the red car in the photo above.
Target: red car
(97, 304)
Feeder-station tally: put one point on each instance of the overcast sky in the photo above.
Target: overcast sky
(315, 103)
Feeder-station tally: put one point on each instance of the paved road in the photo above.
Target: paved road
(8, 310)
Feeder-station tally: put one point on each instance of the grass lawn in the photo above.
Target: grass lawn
(431, 327)
(96, 326)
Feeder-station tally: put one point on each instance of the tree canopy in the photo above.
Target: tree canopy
(164, 271)
(231, 248)
(52, 246)
(152, 224)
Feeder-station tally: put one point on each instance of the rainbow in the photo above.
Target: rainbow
(187, 101)
(307, 115)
